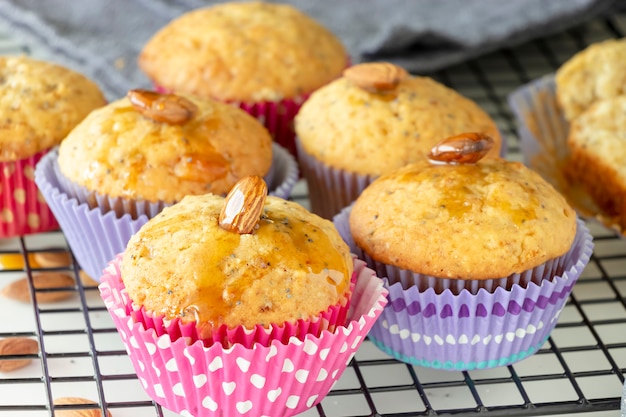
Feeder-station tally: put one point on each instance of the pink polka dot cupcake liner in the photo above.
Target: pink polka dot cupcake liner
(97, 228)
(446, 325)
(24, 210)
(278, 379)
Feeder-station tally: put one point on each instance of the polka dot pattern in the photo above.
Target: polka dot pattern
(23, 211)
(468, 331)
(275, 380)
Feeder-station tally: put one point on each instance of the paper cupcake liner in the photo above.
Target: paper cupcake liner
(462, 330)
(280, 180)
(279, 380)
(326, 321)
(24, 210)
(543, 132)
(95, 235)
(330, 189)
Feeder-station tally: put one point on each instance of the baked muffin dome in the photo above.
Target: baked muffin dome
(119, 152)
(368, 132)
(293, 266)
(243, 51)
(470, 221)
(595, 73)
(40, 103)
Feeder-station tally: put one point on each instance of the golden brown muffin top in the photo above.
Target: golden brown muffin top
(40, 102)
(243, 51)
(595, 73)
(471, 221)
(350, 128)
(183, 264)
(119, 152)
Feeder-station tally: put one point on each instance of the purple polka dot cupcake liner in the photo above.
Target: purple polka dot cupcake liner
(278, 379)
(97, 228)
(461, 329)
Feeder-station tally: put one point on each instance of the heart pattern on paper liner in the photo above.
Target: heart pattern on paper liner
(278, 380)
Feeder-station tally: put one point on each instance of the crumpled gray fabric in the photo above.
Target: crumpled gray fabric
(102, 38)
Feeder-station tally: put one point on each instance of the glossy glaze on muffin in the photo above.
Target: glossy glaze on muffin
(119, 152)
(183, 264)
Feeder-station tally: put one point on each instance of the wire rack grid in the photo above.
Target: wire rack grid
(580, 369)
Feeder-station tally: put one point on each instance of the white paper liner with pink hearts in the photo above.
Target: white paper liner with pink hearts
(277, 380)
(23, 210)
(462, 330)
(95, 235)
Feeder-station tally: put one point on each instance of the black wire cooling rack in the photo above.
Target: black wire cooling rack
(580, 369)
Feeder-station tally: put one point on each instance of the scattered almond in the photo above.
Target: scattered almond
(243, 205)
(376, 77)
(165, 108)
(16, 261)
(52, 259)
(18, 290)
(16, 346)
(465, 148)
(77, 412)
(87, 280)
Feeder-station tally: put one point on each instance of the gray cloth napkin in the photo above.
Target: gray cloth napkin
(102, 38)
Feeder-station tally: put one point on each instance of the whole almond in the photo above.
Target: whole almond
(165, 108)
(376, 77)
(243, 205)
(16, 346)
(18, 290)
(465, 148)
(52, 259)
(87, 280)
(77, 412)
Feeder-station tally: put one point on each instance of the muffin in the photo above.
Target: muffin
(480, 257)
(264, 57)
(593, 74)
(375, 119)
(41, 102)
(126, 161)
(570, 138)
(597, 153)
(237, 300)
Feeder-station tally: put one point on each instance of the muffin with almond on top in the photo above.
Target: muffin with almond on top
(375, 119)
